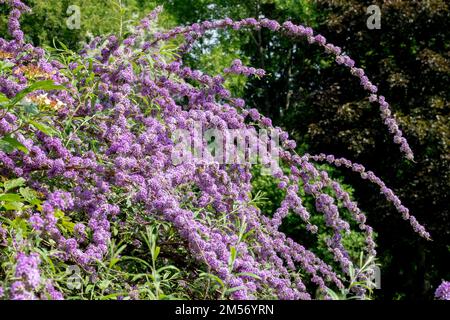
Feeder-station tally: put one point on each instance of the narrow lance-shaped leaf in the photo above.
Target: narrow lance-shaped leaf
(40, 85)
(9, 144)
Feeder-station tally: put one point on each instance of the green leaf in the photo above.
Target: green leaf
(5, 65)
(29, 195)
(231, 290)
(246, 235)
(11, 184)
(10, 197)
(156, 254)
(112, 296)
(31, 108)
(212, 277)
(351, 271)
(332, 294)
(44, 128)
(9, 144)
(175, 269)
(39, 85)
(69, 225)
(13, 206)
(248, 274)
(58, 214)
(20, 225)
(233, 254)
(62, 45)
(103, 284)
(136, 259)
(3, 98)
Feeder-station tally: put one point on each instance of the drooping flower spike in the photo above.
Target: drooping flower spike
(296, 31)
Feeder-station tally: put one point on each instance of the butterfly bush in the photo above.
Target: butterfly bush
(135, 98)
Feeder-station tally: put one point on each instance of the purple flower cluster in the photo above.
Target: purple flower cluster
(28, 285)
(238, 68)
(145, 102)
(13, 23)
(30, 279)
(27, 269)
(443, 291)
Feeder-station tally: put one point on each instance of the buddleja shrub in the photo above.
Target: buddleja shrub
(94, 207)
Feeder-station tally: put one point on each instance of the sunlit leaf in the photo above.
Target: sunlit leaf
(44, 128)
(39, 85)
(11, 184)
(10, 197)
(9, 144)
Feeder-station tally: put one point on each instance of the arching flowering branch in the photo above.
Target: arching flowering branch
(288, 28)
(388, 193)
